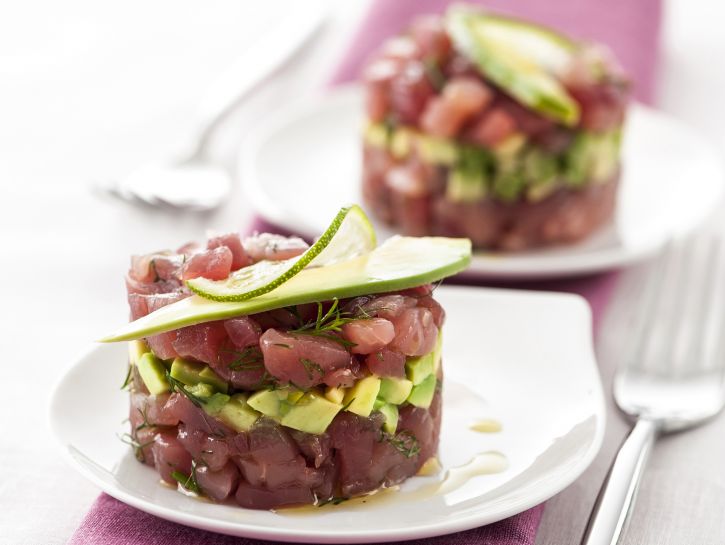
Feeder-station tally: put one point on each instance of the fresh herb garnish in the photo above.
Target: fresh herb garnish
(249, 359)
(188, 481)
(346, 405)
(335, 500)
(406, 443)
(311, 367)
(327, 324)
(138, 447)
(127, 380)
(178, 386)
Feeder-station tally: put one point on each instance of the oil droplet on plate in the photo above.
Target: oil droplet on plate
(486, 425)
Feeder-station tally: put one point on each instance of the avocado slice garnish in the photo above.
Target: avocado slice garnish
(523, 59)
(399, 263)
(349, 235)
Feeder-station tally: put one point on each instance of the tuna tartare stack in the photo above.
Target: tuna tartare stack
(295, 374)
(492, 128)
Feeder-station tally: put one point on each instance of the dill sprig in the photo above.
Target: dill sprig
(178, 386)
(127, 380)
(334, 500)
(249, 359)
(406, 443)
(312, 367)
(188, 481)
(327, 324)
(138, 447)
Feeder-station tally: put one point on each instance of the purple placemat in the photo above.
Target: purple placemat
(631, 29)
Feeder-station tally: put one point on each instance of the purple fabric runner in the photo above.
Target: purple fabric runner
(631, 29)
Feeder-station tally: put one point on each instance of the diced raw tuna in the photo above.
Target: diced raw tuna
(260, 498)
(431, 38)
(219, 484)
(273, 247)
(368, 335)
(200, 342)
(169, 456)
(415, 332)
(409, 93)
(212, 451)
(234, 244)
(302, 360)
(462, 98)
(243, 331)
(213, 264)
(388, 306)
(492, 129)
(386, 363)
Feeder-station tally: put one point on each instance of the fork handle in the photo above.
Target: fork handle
(616, 497)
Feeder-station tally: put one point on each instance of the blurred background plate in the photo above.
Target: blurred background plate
(304, 162)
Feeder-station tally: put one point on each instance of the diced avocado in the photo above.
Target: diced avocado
(418, 368)
(592, 157)
(422, 394)
(208, 376)
(237, 414)
(336, 395)
(376, 134)
(390, 412)
(136, 349)
(394, 390)
(507, 151)
(540, 167)
(539, 192)
(436, 150)
(191, 373)
(361, 397)
(466, 185)
(401, 142)
(201, 390)
(508, 185)
(215, 402)
(268, 402)
(312, 413)
(524, 59)
(153, 374)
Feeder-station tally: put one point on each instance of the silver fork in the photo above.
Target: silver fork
(673, 374)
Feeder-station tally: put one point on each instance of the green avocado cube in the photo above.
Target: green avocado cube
(360, 399)
(237, 414)
(153, 374)
(439, 151)
(312, 413)
(268, 402)
(214, 403)
(390, 412)
(191, 373)
(422, 394)
(136, 349)
(202, 389)
(466, 185)
(394, 390)
(419, 367)
(208, 376)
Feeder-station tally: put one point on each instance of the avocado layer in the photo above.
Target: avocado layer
(153, 374)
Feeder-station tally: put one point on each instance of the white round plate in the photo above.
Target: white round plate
(303, 164)
(526, 360)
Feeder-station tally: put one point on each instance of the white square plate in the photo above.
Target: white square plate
(524, 359)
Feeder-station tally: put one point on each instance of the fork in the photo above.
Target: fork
(673, 374)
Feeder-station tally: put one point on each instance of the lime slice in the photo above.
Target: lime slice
(398, 263)
(524, 59)
(349, 235)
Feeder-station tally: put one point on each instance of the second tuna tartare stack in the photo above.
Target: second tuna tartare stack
(492, 128)
(291, 396)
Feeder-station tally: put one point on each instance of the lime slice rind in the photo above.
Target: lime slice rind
(350, 234)
(521, 58)
(397, 264)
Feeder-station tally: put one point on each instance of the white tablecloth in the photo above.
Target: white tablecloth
(89, 90)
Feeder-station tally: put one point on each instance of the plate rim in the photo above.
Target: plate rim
(577, 305)
(598, 261)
